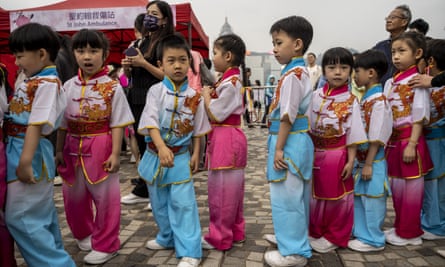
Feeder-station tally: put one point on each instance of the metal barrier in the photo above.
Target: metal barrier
(256, 105)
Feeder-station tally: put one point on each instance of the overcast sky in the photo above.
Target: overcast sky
(356, 24)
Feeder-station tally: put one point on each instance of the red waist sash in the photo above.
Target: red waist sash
(232, 120)
(85, 128)
(174, 149)
(328, 142)
(14, 129)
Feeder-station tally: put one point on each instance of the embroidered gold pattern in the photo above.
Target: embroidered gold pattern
(438, 99)
(406, 96)
(21, 104)
(342, 110)
(367, 109)
(192, 102)
(95, 112)
(297, 72)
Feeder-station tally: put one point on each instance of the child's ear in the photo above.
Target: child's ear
(431, 62)
(371, 73)
(43, 54)
(228, 56)
(419, 53)
(298, 45)
(159, 64)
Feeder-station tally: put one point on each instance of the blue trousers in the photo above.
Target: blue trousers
(290, 215)
(176, 214)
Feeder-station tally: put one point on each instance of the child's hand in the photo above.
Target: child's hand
(409, 153)
(112, 164)
(347, 170)
(207, 90)
(367, 172)
(24, 173)
(194, 162)
(279, 162)
(166, 157)
(59, 159)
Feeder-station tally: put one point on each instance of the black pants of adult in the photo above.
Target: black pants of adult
(140, 189)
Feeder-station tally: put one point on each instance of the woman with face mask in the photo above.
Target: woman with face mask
(140, 65)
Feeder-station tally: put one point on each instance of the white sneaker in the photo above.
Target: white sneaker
(389, 231)
(275, 259)
(358, 245)
(154, 245)
(133, 199)
(58, 180)
(205, 244)
(322, 245)
(84, 244)
(272, 239)
(189, 262)
(430, 236)
(148, 207)
(396, 240)
(97, 257)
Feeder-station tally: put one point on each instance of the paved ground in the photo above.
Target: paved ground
(137, 226)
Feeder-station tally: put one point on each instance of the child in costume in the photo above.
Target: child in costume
(227, 146)
(291, 152)
(336, 130)
(371, 179)
(96, 113)
(433, 209)
(173, 117)
(34, 111)
(407, 152)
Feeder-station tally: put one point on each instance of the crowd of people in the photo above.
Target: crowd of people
(334, 154)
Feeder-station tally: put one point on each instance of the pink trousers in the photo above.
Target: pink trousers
(332, 219)
(226, 201)
(102, 226)
(407, 197)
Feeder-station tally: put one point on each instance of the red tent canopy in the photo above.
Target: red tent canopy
(186, 23)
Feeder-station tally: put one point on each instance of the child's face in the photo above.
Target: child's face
(284, 47)
(220, 60)
(90, 60)
(31, 62)
(361, 77)
(337, 74)
(403, 57)
(175, 64)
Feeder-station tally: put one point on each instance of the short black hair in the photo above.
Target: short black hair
(94, 38)
(296, 27)
(436, 50)
(337, 55)
(420, 25)
(372, 59)
(32, 37)
(176, 41)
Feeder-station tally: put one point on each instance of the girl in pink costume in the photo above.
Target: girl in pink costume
(227, 146)
(88, 149)
(336, 129)
(407, 153)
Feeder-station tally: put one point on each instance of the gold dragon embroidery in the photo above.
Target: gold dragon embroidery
(438, 99)
(24, 104)
(406, 95)
(95, 112)
(367, 108)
